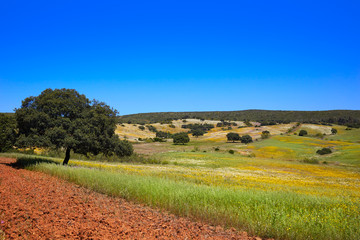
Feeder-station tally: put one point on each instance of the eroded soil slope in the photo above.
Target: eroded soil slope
(37, 206)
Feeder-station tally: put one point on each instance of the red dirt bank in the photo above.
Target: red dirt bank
(37, 206)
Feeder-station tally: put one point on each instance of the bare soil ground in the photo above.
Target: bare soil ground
(37, 206)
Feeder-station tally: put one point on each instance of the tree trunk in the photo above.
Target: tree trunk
(67, 156)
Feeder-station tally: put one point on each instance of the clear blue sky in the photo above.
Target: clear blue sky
(151, 56)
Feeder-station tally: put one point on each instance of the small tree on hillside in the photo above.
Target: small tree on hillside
(265, 134)
(161, 134)
(197, 132)
(233, 137)
(246, 139)
(303, 133)
(65, 119)
(180, 138)
(333, 131)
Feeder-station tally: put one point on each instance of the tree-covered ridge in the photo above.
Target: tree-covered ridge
(341, 117)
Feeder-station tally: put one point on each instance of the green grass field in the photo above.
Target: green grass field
(266, 188)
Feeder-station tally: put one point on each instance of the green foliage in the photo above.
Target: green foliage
(172, 125)
(303, 133)
(65, 119)
(156, 139)
(161, 134)
(224, 123)
(197, 132)
(319, 135)
(180, 138)
(233, 137)
(246, 139)
(350, 118)
(142, 128)
(324, 151)
(203, 127)
(247, 123)
(333, 131)
(151, 128)
(7, 132)
(268, 214)
(310, 160)
(231, 151)
(265, 134)
(270, 123)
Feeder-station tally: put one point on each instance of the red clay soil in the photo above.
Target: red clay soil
(37, 206)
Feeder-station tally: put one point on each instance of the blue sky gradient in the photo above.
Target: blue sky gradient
(151, 56)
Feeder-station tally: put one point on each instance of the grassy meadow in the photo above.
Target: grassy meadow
(276, 188)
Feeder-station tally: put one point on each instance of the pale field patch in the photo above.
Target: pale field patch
(132, 133)
(313, 129)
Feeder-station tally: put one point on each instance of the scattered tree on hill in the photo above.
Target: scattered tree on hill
(333, 131)
(303, 133)
(204, 127)
(180, 138)
(7, 132)
(198, 132)
(265, 134)
(233, 137)
(247, 123)
(161, 134)
(246, 139)
(151, 128)
(65, 119)
(142, 128)
(324, 151)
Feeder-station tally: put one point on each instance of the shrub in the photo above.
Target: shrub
(142, 128)
(172, 125)
(231, 151)
(319, 135)
(156, 139)
(246, 139)
(151, 128)
(324, 151)
(333, 131)
(161, 134)
(197, 132)
(310, 160)
(217, 149)
(265, 134)
(233, 137)
(180, 138)
(247, 123)
(303, 133)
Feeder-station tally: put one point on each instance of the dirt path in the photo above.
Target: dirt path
(37, 206)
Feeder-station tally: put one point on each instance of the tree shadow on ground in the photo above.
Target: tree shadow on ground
(23, 162)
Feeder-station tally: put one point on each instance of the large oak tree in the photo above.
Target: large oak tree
(65, 119)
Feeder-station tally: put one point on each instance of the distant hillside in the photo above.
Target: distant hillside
(342, 117)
